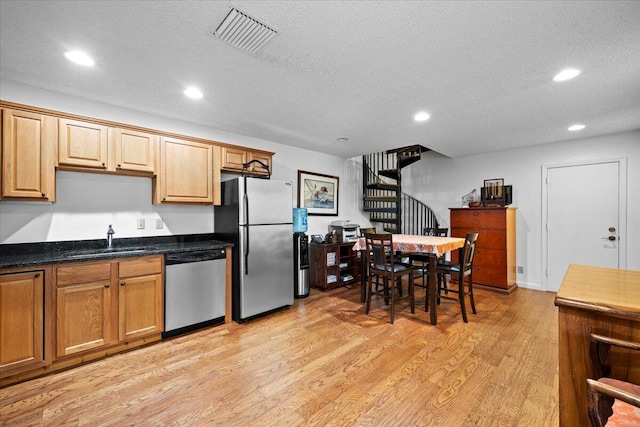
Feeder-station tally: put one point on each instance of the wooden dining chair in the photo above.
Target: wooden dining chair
(462, 269)
(383, 266)
(610, 401)
(421, 261)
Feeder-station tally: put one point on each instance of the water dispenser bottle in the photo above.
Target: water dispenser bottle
(300, 220)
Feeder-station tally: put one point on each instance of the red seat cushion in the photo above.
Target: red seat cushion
(623, 413)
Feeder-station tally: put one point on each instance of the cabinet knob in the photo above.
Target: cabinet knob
(43, 195)
(37, 275)
(103, 165)
(122, 283)
(476, 214)
(119, 166)
(107, 285)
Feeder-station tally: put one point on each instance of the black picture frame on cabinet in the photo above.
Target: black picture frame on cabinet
(507, 197)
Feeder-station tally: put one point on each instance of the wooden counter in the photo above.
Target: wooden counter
(594, 300)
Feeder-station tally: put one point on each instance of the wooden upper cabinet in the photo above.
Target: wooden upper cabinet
(264, 158)
(135, 151)
(21, 321)
(28, 166)
(91, 146)
(186, 172)
(82, 144)
(233, 158)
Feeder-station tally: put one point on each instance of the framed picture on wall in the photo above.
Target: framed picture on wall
(493, 189)
(318, 193)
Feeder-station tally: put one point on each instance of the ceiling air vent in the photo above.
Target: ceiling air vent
(244, 32)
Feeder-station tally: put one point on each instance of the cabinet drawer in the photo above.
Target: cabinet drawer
(141, 266)
(481, 218)
(487, 239)
(495, 258)
(489, 276)
(71, 274)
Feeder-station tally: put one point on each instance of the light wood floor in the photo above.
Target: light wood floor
(322, 363)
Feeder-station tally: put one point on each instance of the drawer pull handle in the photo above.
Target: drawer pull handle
(476, 214)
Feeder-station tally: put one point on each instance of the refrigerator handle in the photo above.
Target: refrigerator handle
(245, 201)
(246, 251)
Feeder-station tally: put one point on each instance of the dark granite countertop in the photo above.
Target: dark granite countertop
(33, 254)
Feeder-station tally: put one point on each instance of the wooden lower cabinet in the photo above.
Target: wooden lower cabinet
(140, 298)
(83, 317)
(84, 307)
(122, 301)
(21, 321)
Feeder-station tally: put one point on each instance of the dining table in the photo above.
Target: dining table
(405, 245)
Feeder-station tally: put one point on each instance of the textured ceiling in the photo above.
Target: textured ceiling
(352, 69)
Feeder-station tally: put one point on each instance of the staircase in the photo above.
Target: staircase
(390, 208)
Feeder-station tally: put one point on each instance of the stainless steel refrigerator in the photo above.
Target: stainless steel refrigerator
(256, 216)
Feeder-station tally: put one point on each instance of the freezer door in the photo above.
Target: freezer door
(266, 268)
(267, 202)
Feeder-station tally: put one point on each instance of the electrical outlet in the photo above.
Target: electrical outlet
(159, 223)
(520, 269)
(140, 223)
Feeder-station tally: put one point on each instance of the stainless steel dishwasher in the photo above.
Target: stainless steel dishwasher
(194, 291)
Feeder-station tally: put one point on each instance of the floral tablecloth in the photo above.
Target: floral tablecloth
(412, 243)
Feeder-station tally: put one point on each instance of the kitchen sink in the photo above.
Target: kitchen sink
(112, 251)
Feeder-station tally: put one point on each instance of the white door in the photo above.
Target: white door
(583, 218)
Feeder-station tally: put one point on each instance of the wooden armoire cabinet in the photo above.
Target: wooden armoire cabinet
(494, 261)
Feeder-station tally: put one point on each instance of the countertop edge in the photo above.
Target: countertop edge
(36, 260)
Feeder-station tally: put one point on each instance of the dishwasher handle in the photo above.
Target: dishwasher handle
(194, 256)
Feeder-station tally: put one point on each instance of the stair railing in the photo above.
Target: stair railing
(411, 215)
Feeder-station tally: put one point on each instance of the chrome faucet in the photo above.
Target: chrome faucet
(110, 234)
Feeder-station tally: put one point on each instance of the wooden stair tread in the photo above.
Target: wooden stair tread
(383, 186)
(388, 199)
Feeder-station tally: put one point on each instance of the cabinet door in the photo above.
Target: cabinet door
(141, 305)
(233, 158)
(21, 321)
(28, 169)
(82, 144)
(256, 169)
(186, 172)
(83, 317)
(135, 151)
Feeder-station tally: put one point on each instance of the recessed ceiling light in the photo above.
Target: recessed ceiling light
(193, 92)
(79, 58)
(342, 139)
(567, 74)
(421, 116)
(576, 127)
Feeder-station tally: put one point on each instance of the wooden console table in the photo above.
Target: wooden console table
(598, 300)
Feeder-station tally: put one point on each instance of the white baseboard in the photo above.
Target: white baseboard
(534, 286)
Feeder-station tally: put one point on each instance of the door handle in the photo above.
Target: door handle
(612, 238)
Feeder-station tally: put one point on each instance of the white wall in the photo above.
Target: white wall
(441, 182)
(87, 203)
